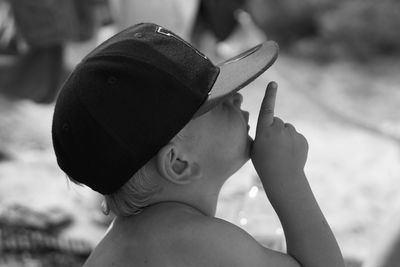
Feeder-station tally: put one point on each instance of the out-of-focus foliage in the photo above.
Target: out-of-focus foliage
(356, 27)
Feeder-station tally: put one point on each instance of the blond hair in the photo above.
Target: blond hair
(133, 196)
(136, 194)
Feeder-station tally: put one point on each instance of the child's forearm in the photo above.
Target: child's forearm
(308, 236)
(279, 154)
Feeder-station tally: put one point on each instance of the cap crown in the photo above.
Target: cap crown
(125, 101)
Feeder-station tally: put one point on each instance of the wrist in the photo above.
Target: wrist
(291, 185)
(288, 174)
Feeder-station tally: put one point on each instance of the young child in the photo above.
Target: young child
(149, 122)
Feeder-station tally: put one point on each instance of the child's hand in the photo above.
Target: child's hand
(278, 152)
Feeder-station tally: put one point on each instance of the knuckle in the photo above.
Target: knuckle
(267, 111)
(290, 127)
(303, 140)
(277, 120)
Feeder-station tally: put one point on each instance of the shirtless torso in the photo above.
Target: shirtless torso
(177, 235)
(156, 237)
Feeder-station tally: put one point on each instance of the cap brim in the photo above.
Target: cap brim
(239, 71)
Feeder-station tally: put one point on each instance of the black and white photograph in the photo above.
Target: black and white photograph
(199, 133)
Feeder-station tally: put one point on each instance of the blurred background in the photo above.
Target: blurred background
(338, 76)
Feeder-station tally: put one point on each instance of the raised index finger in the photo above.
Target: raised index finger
(266, 117)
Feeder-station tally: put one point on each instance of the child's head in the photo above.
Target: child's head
(200, 157)
(145, 116)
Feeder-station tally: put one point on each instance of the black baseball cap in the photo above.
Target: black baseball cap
(132, 94)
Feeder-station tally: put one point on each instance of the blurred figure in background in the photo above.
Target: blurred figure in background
(221, 28)
(176, 15)
(36, 32)
(285, 20)
(40, 29)
(224, 28)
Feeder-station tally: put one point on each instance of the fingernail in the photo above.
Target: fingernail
(274, 85)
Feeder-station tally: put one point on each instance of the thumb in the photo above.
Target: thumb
(266, 116)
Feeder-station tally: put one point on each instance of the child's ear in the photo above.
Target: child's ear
(174, 165)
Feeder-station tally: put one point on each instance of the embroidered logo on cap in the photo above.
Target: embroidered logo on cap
(164, 31)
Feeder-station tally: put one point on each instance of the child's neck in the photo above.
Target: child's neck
(205, 204)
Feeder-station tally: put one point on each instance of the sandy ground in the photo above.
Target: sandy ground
(347, 111)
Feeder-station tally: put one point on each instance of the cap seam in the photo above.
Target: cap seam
(118, 141)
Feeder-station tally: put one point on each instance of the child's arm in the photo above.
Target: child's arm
(279, 154)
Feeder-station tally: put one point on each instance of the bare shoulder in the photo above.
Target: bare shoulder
(181, 238)
(216, 242)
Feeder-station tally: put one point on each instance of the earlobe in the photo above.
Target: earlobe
(173, 165)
